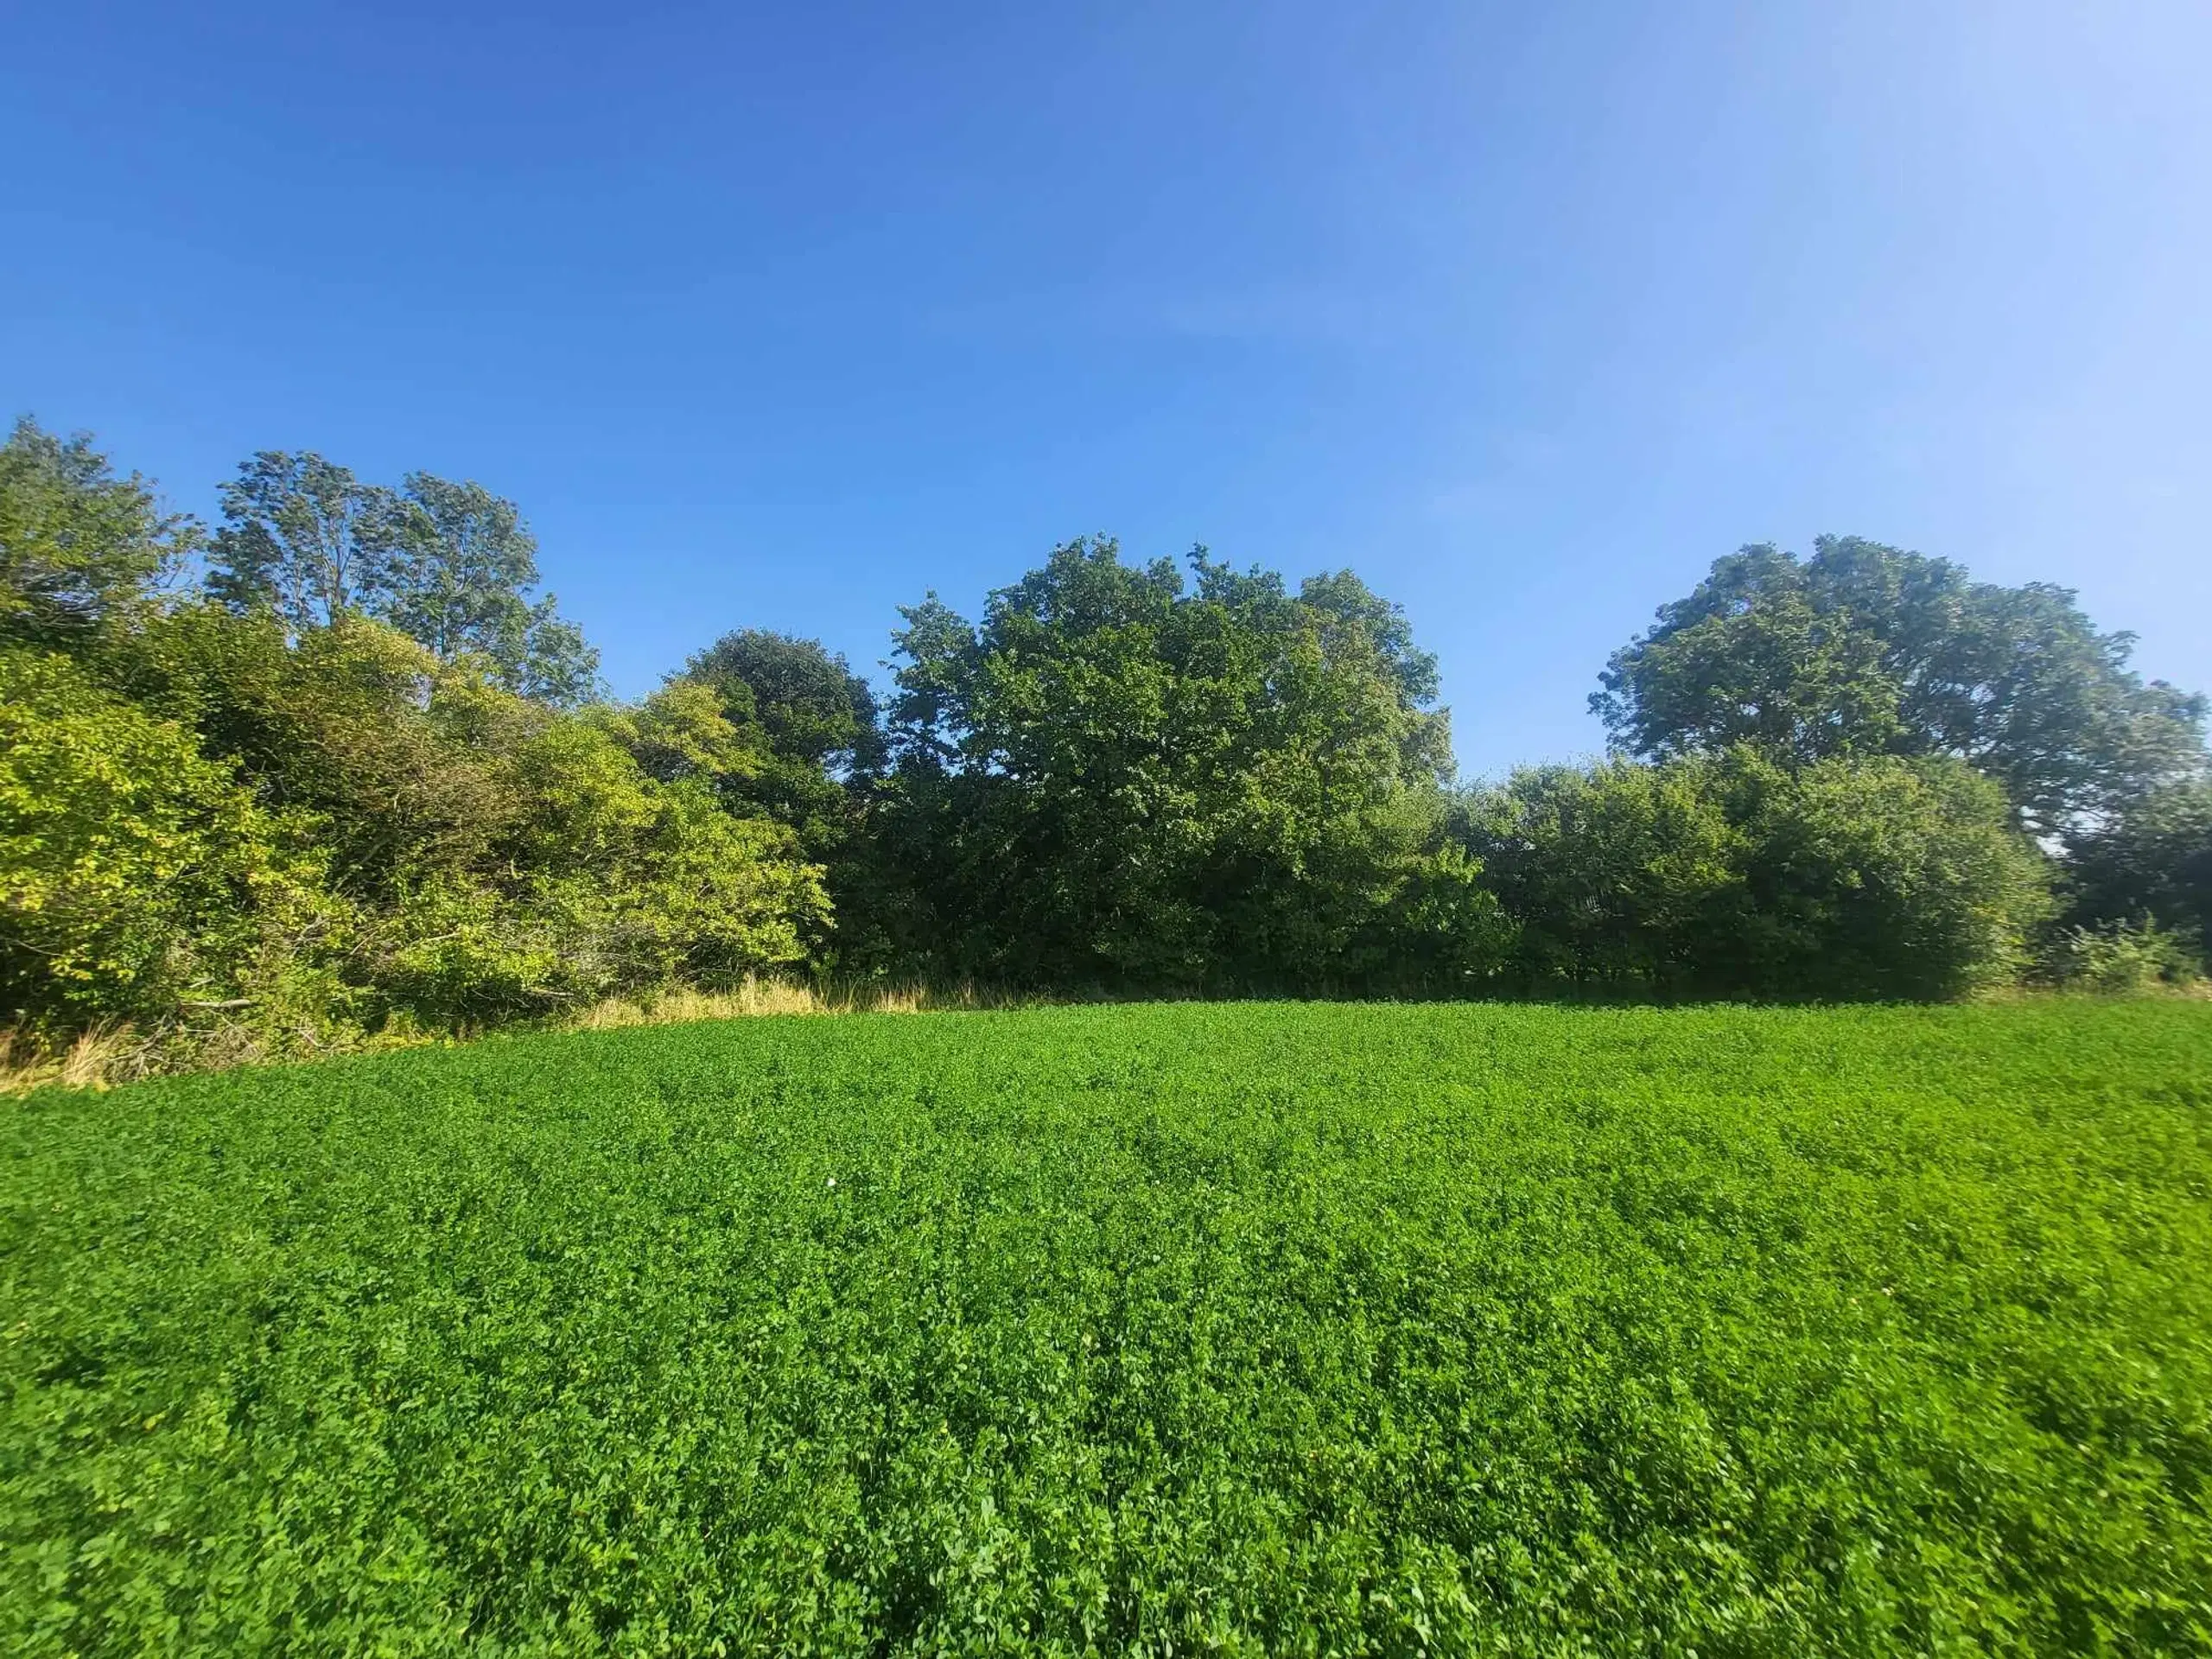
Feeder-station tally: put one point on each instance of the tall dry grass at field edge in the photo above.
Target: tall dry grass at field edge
(107, 1055)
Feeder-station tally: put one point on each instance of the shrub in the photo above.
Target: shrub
(1733, 875)
(1615, 876)
(321, 837)
(1883, 878)
(397, 754)
(2149, 865)
(2123, 958)
(138, 878)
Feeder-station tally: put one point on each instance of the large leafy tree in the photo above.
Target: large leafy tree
(450, 565)
(818, 723)
(302, 538)
(1117, 777)
(1863, 649)
(457, 567)
(77, 542)
(813, 745)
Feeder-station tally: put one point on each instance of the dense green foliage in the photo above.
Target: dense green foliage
(1199, 1328)
(356, 781)
(76, 542)
(1733, 875)
(1865, 649)
(1113, 780)
(2151, 862)
(816, 750)
(267, 820)
(141, 877)
(448, 564)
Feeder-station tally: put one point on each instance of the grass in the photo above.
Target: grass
(762, 996)
(1168, 1329)
(116, 1052)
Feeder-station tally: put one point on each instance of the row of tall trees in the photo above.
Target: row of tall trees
(337, 767)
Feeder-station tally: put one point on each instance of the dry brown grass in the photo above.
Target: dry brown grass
(762, 996)
(112, 1054)
(752, 998)
(97, 1059)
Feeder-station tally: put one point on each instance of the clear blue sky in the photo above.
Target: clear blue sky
(780, 315)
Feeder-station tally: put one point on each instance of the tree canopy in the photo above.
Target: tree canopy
(1119, 777)
(455, 570)
(2150, 863)
(76, 541)
(362, 779)
(450, 565)
(1864, 649)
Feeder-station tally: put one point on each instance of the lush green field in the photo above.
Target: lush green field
(1144, 1329)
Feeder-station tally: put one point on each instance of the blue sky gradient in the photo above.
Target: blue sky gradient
(780, 316)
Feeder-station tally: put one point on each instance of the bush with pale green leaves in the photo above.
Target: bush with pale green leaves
(138, 878)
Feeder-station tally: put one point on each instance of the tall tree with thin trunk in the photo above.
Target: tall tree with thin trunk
(456, 566)
(451, 565)
(300, 537)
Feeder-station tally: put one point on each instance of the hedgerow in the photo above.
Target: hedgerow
(359, 786)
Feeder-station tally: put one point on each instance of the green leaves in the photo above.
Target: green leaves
(450, 565)
(1245, 1328)
(457, 567)
(1732, 875)
(304, 538)
(1137, 779)
(2151, 861)
(1112, 780)
(318, 839)
(1863, 650)
(133, 872)
(77, 544)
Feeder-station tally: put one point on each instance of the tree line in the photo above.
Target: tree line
(336, 768)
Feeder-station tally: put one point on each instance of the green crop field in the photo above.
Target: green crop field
(1161, 1329)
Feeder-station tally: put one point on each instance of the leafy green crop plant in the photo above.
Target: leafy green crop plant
(1231, 1328)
